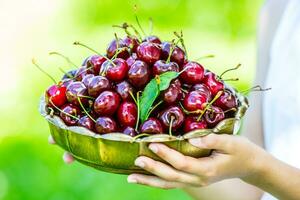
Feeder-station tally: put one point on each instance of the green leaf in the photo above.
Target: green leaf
(152, 90)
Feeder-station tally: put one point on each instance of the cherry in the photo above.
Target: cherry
(193, 73)
(87, 79)
(107, 103)
(148, 52)
(211, 81)
(214, 115)
(117, 47)
(151, 126)
(81, 72)
(69, 114)
(194, 101)
(65, 82)
(117, 71)
(127, 114)
(173, 93)
(56, 95)
(130, 131)
(191, 123)
(226, 101)
(202, 89)
(124, 89)
(105, 125)
(152, 39)
(177, 56)
(94, 62)
(131, 59)
(74, 90)
(69, 74)
(97, 85)
(139, 74)
(172, 116)
(87, 122)
(162, 66)
(131, 42)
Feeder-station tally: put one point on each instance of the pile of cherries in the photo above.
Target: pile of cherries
(101, 95)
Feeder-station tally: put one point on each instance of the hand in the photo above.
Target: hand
(233, 156)
(67, 157)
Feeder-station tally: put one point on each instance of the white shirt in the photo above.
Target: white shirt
(281, 106)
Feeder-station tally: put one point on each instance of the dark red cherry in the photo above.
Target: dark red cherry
(94, 62)
(226, 101)
(153, 39)
(105, 125)
(123, 51)
(193, 73)
(139, 74)
(116, 72)
(131, 59)
(70, 74)
(56, 95)
(213, 116)
(177, 56)
(75, 90)
(173, 93)
(191, 123)
(202, 88)
(97, 85)
(87, 79)
(87, 122)
(131, 42)
(65, 82)
(127, 114)
(130, 131)
(124, 89)
(172, 112)
(69, 110)
(194, 101)
(148, 52)
(211, 81)
(162, 66)
(107, 103)
(151, 126)
(81, 72)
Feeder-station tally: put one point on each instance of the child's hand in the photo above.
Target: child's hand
(67, 157)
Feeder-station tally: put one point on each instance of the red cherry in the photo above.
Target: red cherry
(130, 131)
(86, 122)
(124, 89)
(166, 117)
(202, 89)
(70, 74)
(131, 42)
(194, 101)
(226, 101)
(162, 66)
(151, 126)
(213, 116)
(81, 72)
(116, 72)
(148, 52)
(71, 110)
(211, 81)
(107, 103)
(173, 93)
(191, 123)
(177, 56)
(127, 114)
(153, 39)
(75, 90)
(87, 79)
(97, 85)
(193, 73)
(94, 62)
(112, 49)
(105, 125)
(131, 59)
(57, 95)
(139, 74)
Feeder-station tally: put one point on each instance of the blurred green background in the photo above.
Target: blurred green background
(32, 169)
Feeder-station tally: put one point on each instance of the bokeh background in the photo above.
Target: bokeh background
(32, 169)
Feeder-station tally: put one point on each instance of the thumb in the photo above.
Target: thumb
(221, 142)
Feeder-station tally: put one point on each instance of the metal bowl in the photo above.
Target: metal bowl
(116, 152)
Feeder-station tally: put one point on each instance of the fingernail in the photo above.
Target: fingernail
(68, 158)
(153, 148)
(197, 142)
(131, 180)
(138, 162)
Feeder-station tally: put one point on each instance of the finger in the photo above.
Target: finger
(153, 181)
(51, 140)
(166, 172)
(68, 158)
(221, 142)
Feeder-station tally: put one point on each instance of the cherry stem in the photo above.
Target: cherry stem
(62, 110)
(183, 90)
(209, 105)
(136, 32)
(231, 109)
(150, 26)
(82, 72)
(189, 112)
(83, 45)
(231, 79)
(43, 71)
(64, 57)
(153, 108)
(117, 50)
(124, 26)
(138, 110)
(181, 41)
(87, 97)
(256, 88)
(139, 135)
(85, 111)
(64, 72)
(205, 57)
(228, 70)
(172, 48)
(137, 20)
(171, 124)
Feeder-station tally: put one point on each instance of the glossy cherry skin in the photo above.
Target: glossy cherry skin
(69, 74)
(131, 42)
(86, 122)
(194, 101)
(97, 85)
(107, 103)
(94, 63)
(81, 72)
(70, 110)
(139, 74)
(112, 49)
(56, 95)
(131, 59)
(127, 114)
(118, 71)
(211, 81)
(124, 89)
(148, 52)
(177, 56)
(173, 93)
(75, 90)
(226, 101)
(213, 116)
(202, 88)
(65, 82)
(193, 73)
(151, 126)
(162, 66)
(153, 39)
(105, 125)
(166, 116)
(130, 131)
(191, 123)
(87, 79)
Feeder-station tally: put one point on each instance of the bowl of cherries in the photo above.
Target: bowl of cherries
(141, 90)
